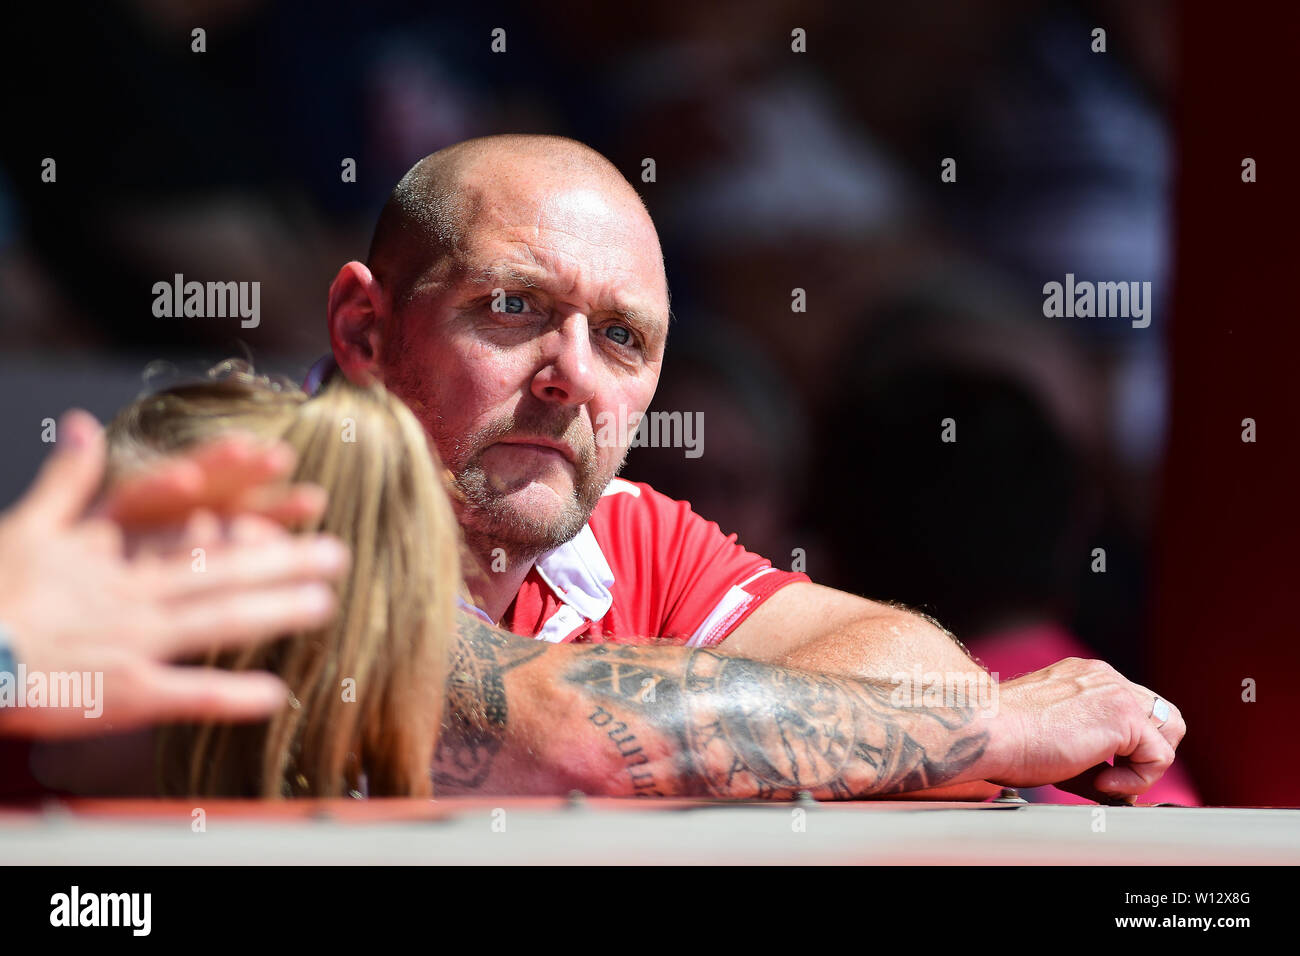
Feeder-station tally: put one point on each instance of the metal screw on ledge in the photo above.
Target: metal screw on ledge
(1009, 795)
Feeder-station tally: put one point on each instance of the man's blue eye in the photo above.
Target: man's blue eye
(619, 334)
(514, 303)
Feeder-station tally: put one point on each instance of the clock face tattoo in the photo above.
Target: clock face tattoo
(780, 733)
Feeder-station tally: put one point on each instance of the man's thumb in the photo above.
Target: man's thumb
(70, 476)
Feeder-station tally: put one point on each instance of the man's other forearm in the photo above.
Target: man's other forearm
(529, 717)
(881, 646)
(820, 629)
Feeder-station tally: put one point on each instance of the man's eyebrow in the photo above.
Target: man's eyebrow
(643, 318)
(503, 275)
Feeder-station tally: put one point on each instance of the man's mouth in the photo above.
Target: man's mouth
(559, 448)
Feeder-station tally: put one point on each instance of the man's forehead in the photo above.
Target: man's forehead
(530, 222)
(569, 236)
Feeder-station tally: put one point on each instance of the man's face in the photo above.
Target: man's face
(547, 323)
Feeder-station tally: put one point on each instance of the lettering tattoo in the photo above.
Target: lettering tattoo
(634, 756)
(730, 727)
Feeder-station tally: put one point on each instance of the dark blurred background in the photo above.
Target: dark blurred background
(774, 171)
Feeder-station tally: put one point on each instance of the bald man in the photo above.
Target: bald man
(515, 297)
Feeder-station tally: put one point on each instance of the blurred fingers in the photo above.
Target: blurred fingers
(200, 693)
(70, 476)
(217, 476)
(264, 556)
(236, 617)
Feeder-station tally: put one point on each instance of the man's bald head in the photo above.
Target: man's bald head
(430, 211)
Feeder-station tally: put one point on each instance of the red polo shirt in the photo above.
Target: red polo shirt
(644, 567)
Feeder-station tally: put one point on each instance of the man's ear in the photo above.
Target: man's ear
(356, 322)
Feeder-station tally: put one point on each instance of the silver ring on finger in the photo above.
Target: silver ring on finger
(1160, 711)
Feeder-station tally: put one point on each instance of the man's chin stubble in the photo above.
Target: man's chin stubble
(519, 542)
(490, 523)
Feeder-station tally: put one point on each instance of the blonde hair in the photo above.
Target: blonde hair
(397, 602)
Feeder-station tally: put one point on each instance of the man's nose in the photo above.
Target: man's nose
(568, 373)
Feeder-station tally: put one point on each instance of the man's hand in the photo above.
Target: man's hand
(1065, 721)
(72, 600)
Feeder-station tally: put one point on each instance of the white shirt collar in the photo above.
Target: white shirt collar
(577, 572)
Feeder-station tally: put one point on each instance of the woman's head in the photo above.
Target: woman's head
(367, 688)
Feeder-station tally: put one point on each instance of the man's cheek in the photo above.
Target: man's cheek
(483, 370)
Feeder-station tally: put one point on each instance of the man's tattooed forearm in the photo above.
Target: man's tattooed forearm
(748, 729)
(695, 722)
(476, 717)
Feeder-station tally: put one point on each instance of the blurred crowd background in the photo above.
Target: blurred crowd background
(774, 170)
